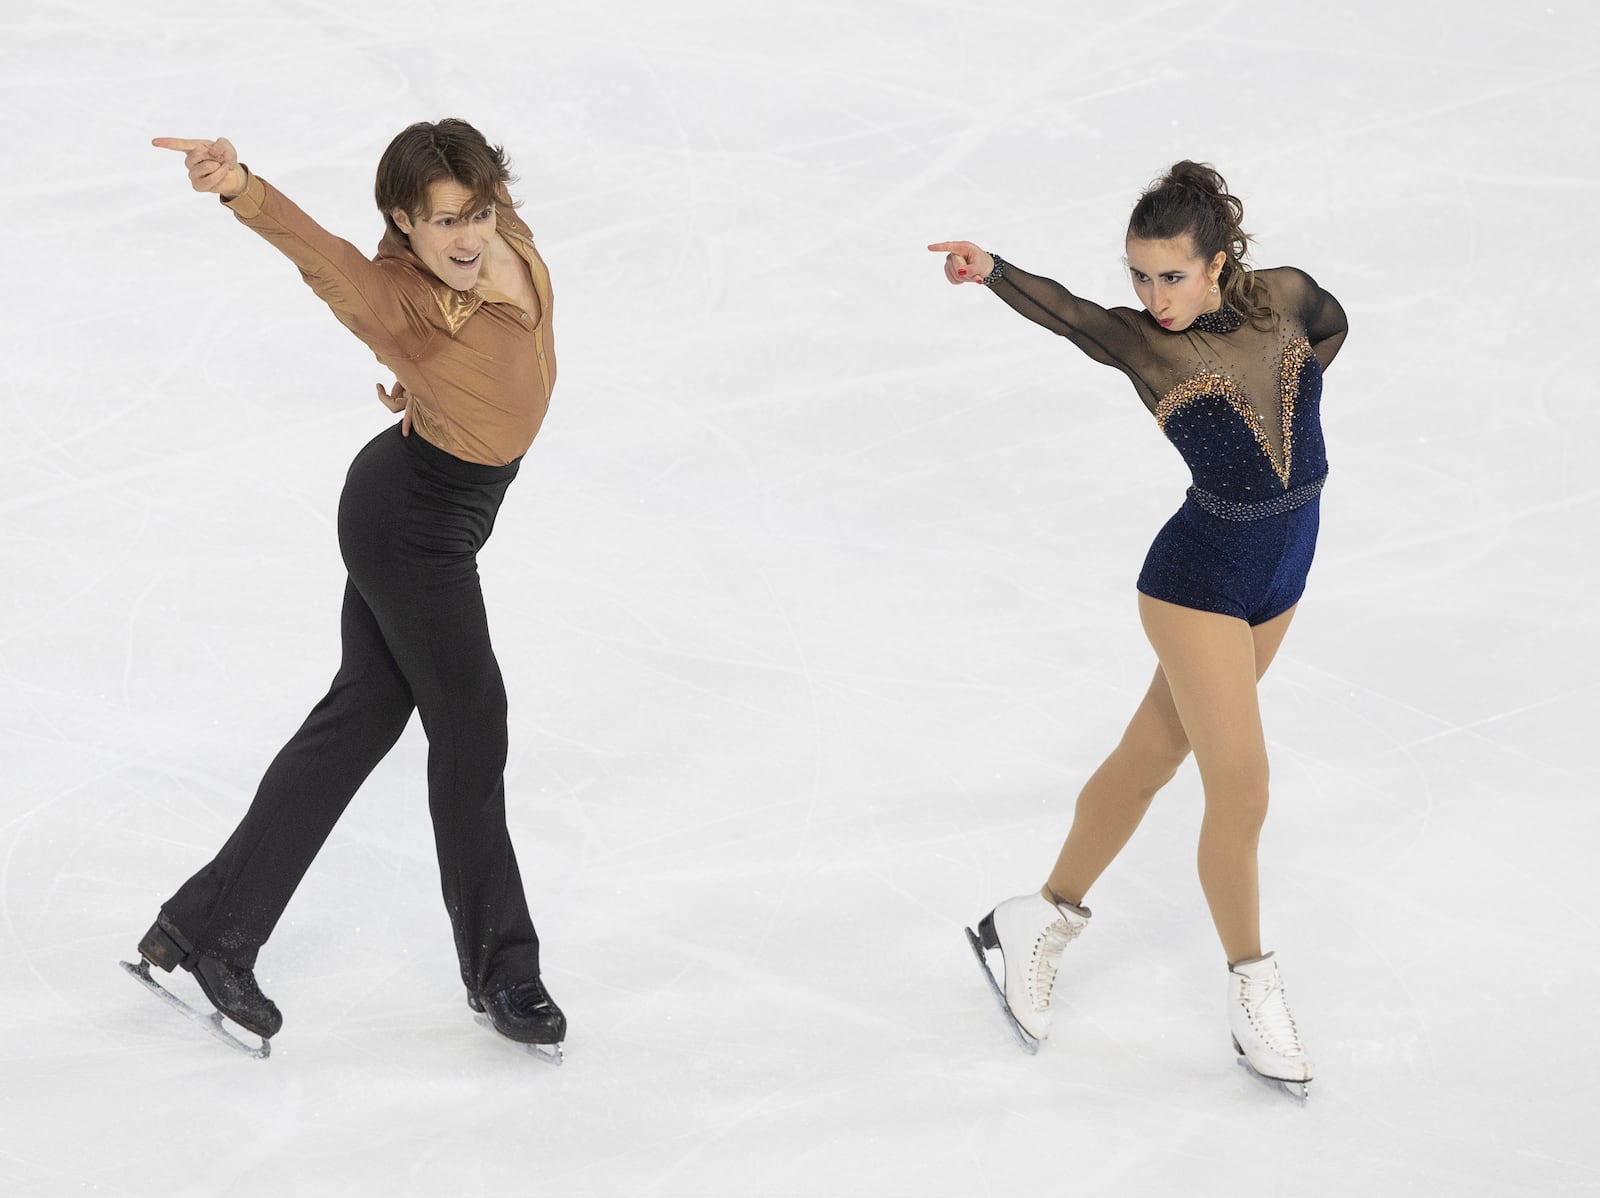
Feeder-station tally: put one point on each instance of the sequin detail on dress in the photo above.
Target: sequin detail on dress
(1223, 320)
(1198, 386)
(1210, 382)
(1294, 361)
(1227, 509)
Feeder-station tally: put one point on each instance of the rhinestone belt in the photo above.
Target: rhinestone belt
(1229, 509)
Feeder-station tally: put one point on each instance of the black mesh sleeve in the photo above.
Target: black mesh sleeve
(1297, 294)
(1108, 335)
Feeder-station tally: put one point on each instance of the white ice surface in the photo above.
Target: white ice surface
(814, 598)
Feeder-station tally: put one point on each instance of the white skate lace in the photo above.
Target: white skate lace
(1264, 1003)
(1047, 959)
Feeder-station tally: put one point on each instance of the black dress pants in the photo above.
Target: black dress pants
(414, 636)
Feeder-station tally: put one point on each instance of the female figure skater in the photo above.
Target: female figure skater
(457, 304)
(1230, 362)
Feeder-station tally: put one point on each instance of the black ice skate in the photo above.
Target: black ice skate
(231, 989)
(524, 1012)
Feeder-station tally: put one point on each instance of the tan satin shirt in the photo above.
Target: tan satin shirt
(479, 373)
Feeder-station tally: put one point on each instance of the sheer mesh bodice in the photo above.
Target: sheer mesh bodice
(1239, 405)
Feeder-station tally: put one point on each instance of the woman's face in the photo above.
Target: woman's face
(1172, 281)
(447, 237)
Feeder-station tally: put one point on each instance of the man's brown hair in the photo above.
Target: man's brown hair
(430, 151)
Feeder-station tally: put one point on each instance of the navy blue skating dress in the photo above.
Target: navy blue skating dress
(1241, 404)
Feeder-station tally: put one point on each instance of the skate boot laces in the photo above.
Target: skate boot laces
(1047, 960)
(1268, 1012)
(527, 999)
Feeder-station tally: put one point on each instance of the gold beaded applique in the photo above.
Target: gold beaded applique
(1294, 361)
(1210, 382)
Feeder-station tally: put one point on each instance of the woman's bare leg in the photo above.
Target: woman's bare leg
(1117, 796)
(1211, 670)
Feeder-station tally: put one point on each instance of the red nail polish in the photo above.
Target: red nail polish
(961, 272)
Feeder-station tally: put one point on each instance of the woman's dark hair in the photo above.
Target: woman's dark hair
(1192, 199)
(427, 152)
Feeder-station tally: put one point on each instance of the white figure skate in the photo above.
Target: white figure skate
(1264, 1032)
(1030, 932)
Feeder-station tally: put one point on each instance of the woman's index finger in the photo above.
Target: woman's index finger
(182, 144)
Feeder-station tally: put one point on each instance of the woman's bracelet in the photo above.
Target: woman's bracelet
(998, 273)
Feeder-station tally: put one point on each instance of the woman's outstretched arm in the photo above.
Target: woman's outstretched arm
(1108, 336)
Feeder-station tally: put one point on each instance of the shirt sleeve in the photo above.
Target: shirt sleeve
(1107, 335)
(377, 303)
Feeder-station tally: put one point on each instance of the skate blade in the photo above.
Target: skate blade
(550, 1054)
(1300, 1090)
(1027, 1043)
(212, 1022)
